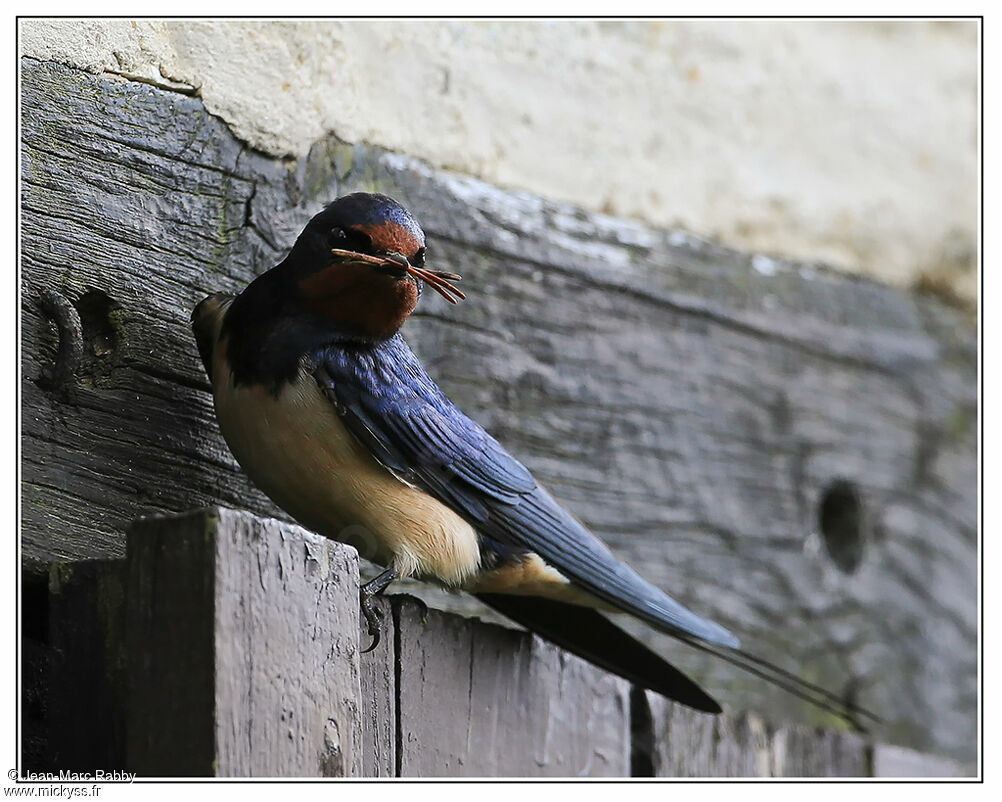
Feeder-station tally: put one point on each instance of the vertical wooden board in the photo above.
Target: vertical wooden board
(688, 743)
(88, 681)
(243, 649)
(379, 698)
(742, 746)
(434, 664)
(478, 700)
(170, 645)
(815, 752)
(286, 643)
(692, 744)
(36, 673)
(900, 763)
(35, 730)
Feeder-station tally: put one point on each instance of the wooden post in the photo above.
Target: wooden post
(243, 649)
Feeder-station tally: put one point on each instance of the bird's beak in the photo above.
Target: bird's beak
(396, 263)
(438, 280)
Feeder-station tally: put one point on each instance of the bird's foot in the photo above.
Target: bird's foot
(372, 616)
(373, 620)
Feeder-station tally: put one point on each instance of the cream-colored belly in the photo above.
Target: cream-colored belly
(297, 450)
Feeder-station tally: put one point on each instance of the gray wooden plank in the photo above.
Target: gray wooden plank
(690, 744)
(36, 660)
(287, 671)
(171, 647)
(87, 685)
(479, 700)
(691, 404)
(815, 752)
(243, 639)
(896, 762)
(379, 698)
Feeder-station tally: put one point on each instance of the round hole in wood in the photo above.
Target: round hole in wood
(842, 519)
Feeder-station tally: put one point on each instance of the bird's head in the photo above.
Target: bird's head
(360, 263)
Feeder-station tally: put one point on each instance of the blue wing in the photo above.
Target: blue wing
(391, 405)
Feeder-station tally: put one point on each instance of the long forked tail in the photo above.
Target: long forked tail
(796, 686)
(590, 635)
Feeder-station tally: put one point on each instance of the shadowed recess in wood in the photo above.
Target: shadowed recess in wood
(842, 518)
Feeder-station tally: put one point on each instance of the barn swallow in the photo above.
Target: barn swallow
(333, 416)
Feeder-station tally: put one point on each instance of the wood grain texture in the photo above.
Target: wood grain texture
(88, 681)
(379, 697)
(798, 751)
(901, 763)
(687, 744)
(479, 700)
(170, 645)
(243, 649)
(691, 404)
(226, 644)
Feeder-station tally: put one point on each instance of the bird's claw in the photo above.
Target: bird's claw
(373, 617)
(373, 620)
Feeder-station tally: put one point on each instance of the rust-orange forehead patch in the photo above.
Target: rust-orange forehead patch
(391, 237)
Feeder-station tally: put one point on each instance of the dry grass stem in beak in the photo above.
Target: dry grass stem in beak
(438, 280)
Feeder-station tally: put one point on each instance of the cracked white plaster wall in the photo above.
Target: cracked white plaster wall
(850, 143)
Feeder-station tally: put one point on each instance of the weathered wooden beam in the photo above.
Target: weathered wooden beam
(788, 450)
(243, 649)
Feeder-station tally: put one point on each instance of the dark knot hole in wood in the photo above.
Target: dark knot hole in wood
(842, 518)
(101, 324)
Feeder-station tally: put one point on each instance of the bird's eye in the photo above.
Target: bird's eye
(360, 240)
(418, 260)
(349, 239)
